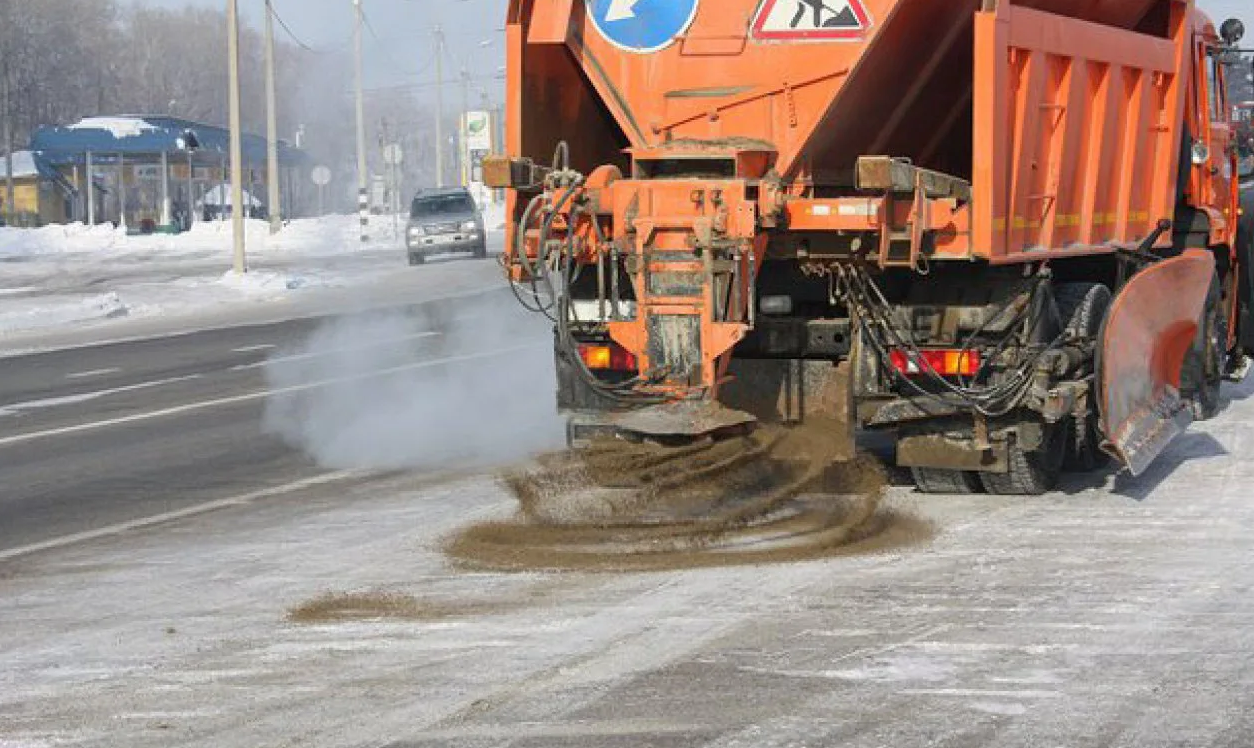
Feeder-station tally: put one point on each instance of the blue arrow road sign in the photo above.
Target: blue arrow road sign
(642, 25)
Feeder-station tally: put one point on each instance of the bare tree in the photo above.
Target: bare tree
(67, 59)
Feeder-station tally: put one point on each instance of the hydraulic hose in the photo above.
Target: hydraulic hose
(991, 401)
(565, 266)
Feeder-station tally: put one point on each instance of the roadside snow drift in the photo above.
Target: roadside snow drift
(62, 276)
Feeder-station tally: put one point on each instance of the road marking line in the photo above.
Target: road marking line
(93, 373)
(254, 348)
(235, 400)
(191, 511)
(53, 402)
(327, 354)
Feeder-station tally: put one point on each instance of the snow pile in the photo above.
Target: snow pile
(75, 237)
(63, 312)
(269, 282)
(328, 235)
(309, 236)
(58, 276)
(119, 127)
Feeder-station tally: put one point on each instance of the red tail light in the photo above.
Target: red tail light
(607, 357)
(948, 362)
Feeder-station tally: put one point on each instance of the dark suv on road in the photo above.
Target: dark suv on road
(444, 220)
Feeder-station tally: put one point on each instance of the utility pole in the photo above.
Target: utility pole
(439, 107)
(7, 115)
(10, 196)
(363, 203)
(464, 152)
(272, 128)
(237, 140)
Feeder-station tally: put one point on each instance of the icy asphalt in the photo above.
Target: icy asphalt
(148, 564)
(1116, 613)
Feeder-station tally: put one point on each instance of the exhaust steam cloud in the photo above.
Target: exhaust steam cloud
(468, 383)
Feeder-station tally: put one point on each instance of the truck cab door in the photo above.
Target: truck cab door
(1218, 171)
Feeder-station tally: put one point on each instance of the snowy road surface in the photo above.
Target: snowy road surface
(59, 277)
(1115, 613)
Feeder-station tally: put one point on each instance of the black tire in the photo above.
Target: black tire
(1031, 473)
(1083, 308)
(1044, 323)
(416, 259)
(1206, 361)
(1245, 278)
(938, 480)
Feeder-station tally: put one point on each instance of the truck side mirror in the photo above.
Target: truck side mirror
(1232, 31)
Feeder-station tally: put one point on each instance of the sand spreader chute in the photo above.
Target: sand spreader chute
(1151, 326)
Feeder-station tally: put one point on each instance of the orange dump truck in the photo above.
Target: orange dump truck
(1003, 230)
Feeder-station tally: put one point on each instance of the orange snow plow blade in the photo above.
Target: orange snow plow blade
(1149, 330)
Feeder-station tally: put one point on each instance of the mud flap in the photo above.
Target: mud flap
(1149, 330)
(797, 392)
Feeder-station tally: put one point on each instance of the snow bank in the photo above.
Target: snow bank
(266, 282)
(59, 276)
(309, 236)
(58, 312)
(18, 243)
(328, 235)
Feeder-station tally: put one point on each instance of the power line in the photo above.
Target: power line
(382, 48)
(283, 24)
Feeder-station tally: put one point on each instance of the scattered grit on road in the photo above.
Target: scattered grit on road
(1115, 613)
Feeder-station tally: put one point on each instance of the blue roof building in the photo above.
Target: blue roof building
(153, 171)
(145, 136)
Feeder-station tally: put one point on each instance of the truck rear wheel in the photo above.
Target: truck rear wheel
(937, 480)
(1205, 362)
(1034, 472)
(1084, 307)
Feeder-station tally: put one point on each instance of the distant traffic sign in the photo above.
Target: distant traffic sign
(642, 25)
(811, 20)
(393, 155)
(321, 176)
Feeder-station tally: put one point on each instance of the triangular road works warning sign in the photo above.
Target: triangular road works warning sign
(813, 20)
